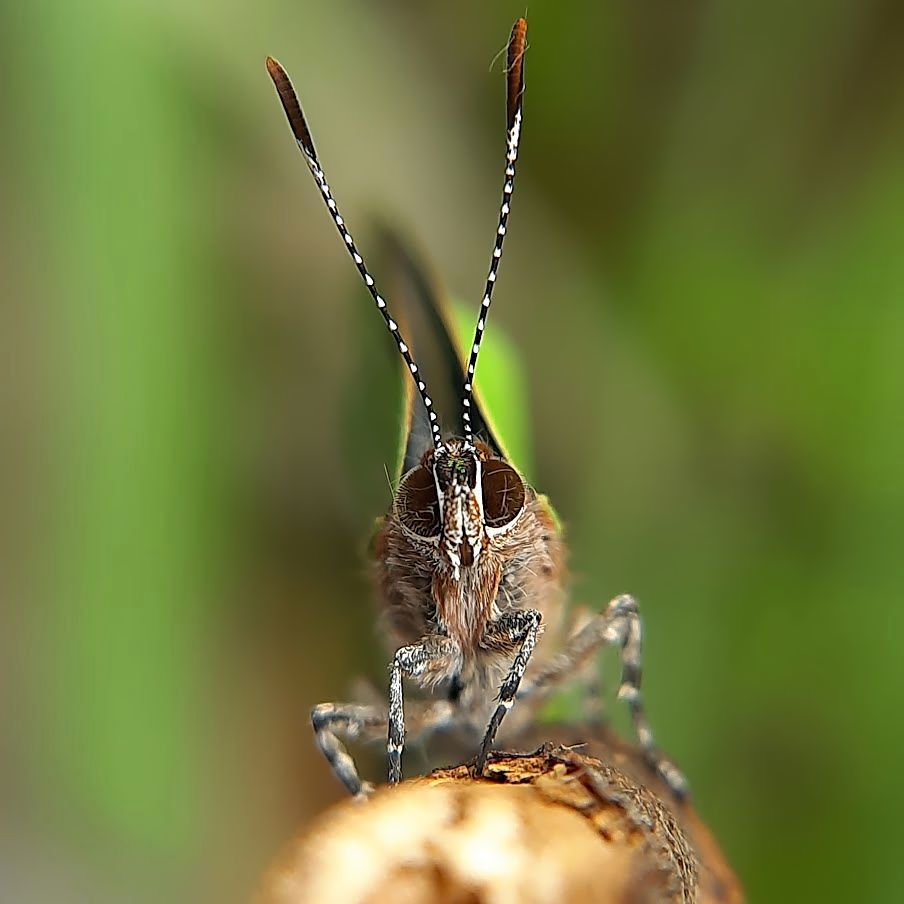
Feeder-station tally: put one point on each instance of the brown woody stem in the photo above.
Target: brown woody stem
(553, 825)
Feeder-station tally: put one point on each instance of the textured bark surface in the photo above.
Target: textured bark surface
(717, 880)
(555, 825)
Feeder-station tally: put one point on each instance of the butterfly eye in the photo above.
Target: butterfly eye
(503, 493)
(417, 503)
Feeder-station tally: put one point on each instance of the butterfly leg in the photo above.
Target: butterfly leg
(333, 721)
(620, 625)
(428, 661)
(516, 628)
(330, 720)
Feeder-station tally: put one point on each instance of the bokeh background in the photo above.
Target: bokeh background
(704, 282)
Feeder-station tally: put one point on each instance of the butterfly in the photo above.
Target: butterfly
(469, 559)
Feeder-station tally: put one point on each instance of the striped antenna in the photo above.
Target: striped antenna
(515, 71)
(302, 134)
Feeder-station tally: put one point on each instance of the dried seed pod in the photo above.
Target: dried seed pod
(551, 826)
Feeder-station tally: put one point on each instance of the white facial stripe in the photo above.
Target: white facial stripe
(477, 541)
(454, 522)
(478, 488)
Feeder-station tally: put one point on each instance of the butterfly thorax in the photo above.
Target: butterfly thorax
(465, 540)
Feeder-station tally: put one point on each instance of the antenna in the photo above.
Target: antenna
(302, 135)
(515, 71)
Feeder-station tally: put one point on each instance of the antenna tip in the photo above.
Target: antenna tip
(516, 47)
(290, 103)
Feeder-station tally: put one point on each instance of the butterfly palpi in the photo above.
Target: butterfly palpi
(469, 558)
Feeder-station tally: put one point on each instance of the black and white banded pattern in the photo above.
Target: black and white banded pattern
(515, 71)
(302, 134)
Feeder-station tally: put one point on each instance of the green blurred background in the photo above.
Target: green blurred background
(704, 280)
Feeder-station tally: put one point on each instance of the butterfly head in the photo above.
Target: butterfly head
(460, 498)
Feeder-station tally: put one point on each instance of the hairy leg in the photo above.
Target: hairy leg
(620, 626)
(350, 720)
(427, 661)
(516, 628)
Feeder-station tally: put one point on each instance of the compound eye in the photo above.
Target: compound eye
(503, 493)
(417, 503)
